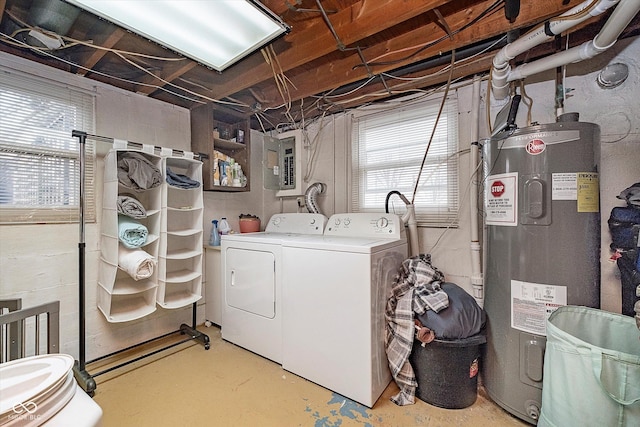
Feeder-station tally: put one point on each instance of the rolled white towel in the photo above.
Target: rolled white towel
(136, 262)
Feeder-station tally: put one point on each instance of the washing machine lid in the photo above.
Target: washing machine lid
(359, 232)
(30, 382)
(365, 245)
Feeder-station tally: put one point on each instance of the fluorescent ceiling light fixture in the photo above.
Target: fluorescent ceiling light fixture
(216, 33)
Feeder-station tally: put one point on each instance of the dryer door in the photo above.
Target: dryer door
(250, 282)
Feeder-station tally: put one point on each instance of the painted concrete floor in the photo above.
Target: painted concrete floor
(229, 386)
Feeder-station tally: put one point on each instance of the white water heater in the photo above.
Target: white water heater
(542, 249)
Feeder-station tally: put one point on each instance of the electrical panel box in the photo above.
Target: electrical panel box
(283, 164)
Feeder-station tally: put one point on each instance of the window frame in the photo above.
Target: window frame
(57, 152)
(433, 207)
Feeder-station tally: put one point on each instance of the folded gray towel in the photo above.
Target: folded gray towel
(130, 206)
(135, 171)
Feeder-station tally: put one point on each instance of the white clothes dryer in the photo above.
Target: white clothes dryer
(335, 289)
(42, 391)
(251, 267)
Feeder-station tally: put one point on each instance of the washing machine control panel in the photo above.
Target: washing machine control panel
(365, 225)
(301, 223)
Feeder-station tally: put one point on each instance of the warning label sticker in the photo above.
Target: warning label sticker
(564, 186)
(533, 303)
(588, 192)
(501, 199)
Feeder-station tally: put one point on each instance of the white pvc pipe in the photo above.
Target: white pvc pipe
(620, 18)
(575, 54)
(501, 70)
(538, 36)
(477, 282)
(409, 218)
(617, 22)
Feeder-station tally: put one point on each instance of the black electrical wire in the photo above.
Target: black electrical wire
(495, 6)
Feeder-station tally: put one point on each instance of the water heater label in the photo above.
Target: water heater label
(588, 192)
(501, 199)
(533, 303)
(564, 186)
(581, 186)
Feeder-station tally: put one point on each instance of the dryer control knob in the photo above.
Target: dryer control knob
(337, 221)
(382, 222)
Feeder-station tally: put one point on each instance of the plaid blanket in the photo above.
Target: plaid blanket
(416, 288)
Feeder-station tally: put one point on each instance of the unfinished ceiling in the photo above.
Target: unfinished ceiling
(339, 53)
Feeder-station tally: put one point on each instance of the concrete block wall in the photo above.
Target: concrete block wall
(39, 262)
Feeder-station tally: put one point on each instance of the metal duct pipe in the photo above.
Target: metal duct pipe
(310, 196)
(53, 15)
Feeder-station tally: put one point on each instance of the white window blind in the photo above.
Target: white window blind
(39, 159)
(387, 151)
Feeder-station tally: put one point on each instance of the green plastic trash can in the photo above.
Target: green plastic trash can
(591, 369)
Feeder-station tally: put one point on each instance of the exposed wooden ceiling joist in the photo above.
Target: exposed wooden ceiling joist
(109, 42)
(353, 24)
(349, 69)
(333, 45)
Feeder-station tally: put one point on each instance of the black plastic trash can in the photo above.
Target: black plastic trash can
(447, 371)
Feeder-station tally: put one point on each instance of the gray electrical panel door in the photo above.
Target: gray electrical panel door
(279, 163)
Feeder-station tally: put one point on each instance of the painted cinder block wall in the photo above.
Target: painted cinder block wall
(39, 262)
(614, 110)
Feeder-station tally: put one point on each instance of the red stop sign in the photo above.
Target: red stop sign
(497, 188)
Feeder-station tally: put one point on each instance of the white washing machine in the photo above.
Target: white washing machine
(335, 289)
(251, 266)
(42, 391)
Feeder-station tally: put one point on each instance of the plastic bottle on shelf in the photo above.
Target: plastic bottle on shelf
(214, 240)
(224, 226)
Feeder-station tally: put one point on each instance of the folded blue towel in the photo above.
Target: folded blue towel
(131, 233)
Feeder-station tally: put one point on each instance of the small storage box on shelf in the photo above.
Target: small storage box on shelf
(119, 297)
(180, 259)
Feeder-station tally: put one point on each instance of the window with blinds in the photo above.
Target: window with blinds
(388, 149)
(39, 159)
